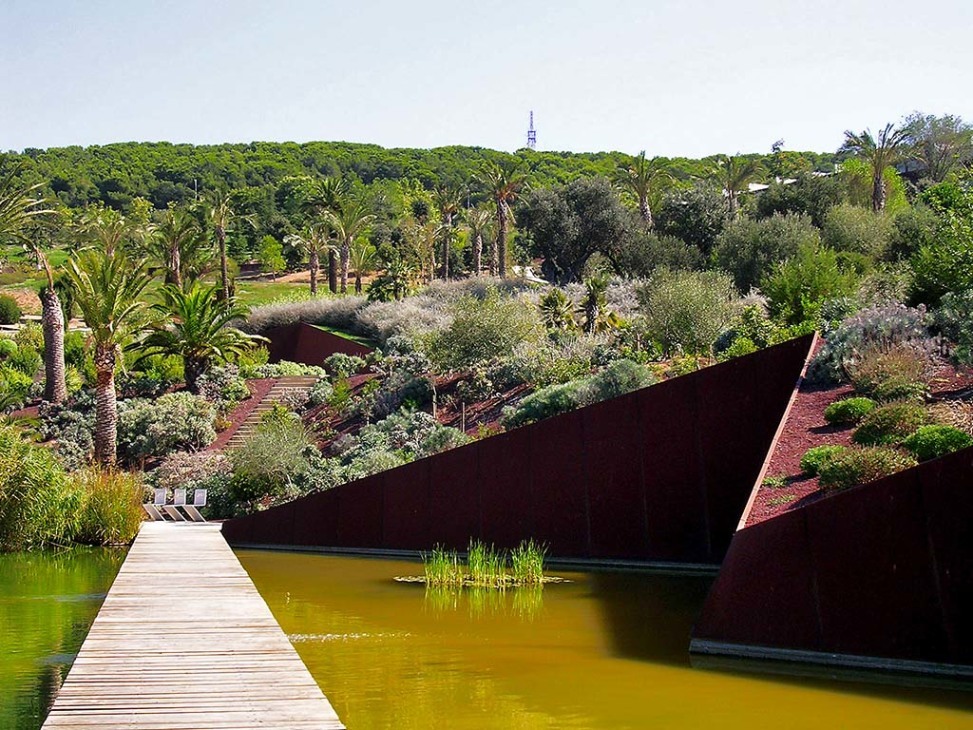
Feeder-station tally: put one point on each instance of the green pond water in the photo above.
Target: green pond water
(603, 651)
(47, 603)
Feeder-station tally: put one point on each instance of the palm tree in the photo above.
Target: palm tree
(349, 222)
(315, 239)
(363, 257)
(478, 221)
(735, 175)
(199, 332)
(222, 215)
(448, 201)
(879, 153)
(324, 198)
(106, 290)
(19, 207)
(108, 229)
(640, 178)
(176, 243)
(557, 310)
(503, 181)
(598, 317)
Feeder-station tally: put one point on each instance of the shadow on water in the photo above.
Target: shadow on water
(650, 618)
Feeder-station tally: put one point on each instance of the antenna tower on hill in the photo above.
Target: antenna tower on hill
(531, 134)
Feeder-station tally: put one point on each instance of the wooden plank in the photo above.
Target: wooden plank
(184, 640)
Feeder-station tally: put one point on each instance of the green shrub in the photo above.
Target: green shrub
(933, 441)
(75, 348)
(14, 387)
(7, 347)
(858, 466)
(9, 310)
(546, 402)
(747, 248)
(741, 346)
(817, 456)
(878, 327)
(850, 228)
(954, 319)
(271, 461)
(848, 411)
(39, 505)
(341, 365)
(618, 378)
(485, 329)
(687, 310)
(899, 372)
(30, 336)
(27, 360)
(798, 287)
(174, 422)
(890, 424)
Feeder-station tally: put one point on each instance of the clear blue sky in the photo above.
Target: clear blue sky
(675, 78)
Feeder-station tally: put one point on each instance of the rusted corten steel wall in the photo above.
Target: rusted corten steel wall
(309, 345)
(658, 475)
(883, 572)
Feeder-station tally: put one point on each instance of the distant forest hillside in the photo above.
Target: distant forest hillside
(166, 173)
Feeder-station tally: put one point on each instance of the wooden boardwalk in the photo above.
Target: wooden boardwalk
(184, 641)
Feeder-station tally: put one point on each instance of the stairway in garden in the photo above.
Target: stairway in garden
(282, 389)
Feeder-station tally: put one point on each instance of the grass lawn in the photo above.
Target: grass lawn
(254, 293)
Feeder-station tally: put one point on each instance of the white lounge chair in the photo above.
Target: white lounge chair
(199, 500)
(179, 499)
(152, 508)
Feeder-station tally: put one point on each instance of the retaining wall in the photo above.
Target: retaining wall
(309, 345)
(878, 576)
(660, 475)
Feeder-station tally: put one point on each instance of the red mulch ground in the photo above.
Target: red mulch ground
(806, 427)
(258, 391)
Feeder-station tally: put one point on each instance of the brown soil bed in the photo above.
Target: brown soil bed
(806, 428)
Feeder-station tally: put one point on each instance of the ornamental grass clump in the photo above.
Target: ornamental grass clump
(848, 411)
(931, 442)
(880, 327)
(527, 563)
(817, 456)
(486, 567)
(442, 568)
(112, 509)
(861, 465)
(890, 424)
(892, 373)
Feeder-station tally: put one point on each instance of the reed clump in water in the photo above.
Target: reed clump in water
(486, 567)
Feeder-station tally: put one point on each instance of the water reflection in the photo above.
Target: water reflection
(604, 651)
(524, 603)
(47, 603)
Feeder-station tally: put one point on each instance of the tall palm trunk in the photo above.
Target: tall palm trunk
(501, 255)
(878, 192)
(477, 253)
(224, 268)
(345, 258)
(174, 275)
(52, 320)
(333, 271)
(194, 367)
(645, 211)
(358, 286)
(106, 407)
(314, 265)
(446, 256)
